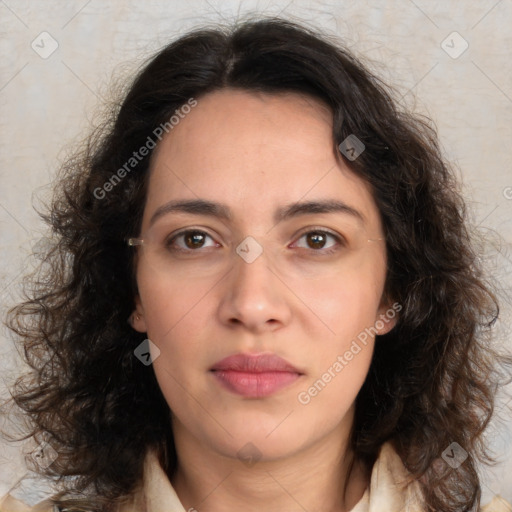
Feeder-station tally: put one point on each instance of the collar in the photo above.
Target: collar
(387, 491)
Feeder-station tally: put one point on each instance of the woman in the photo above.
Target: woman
(309, 328)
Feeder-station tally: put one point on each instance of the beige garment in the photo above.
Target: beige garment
(385, 494)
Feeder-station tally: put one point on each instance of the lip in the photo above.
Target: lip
(255, 376)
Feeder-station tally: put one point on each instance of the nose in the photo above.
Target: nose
(254, 296)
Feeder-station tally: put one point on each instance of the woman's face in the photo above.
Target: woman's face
(283, 259)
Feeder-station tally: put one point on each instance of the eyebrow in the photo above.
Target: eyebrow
(220, 211)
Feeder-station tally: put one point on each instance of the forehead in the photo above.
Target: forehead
(254, 151)
(227, 122)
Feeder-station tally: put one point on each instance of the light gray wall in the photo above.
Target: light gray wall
(47, 104)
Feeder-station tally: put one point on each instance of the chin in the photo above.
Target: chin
(265, 441)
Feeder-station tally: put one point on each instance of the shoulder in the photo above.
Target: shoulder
(10, 504)
(390, 483)
(498, 504)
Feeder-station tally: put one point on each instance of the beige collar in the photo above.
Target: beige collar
(386, 492)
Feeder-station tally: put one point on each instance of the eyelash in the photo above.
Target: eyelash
(338, 238)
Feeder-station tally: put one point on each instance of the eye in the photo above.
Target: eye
(319, 239)
(191, 239)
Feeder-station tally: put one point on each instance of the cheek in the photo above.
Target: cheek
(174, 317)
(333, 393)
(339, 367)
(345, 314)
(172, 303)
(345, 303)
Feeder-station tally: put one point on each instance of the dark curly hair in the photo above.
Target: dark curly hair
(432, 378)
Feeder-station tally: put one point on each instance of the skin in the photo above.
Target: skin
(254, 153)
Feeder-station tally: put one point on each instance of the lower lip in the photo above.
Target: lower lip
(255, 385)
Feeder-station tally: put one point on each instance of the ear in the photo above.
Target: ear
(387, 316)
(137, 319)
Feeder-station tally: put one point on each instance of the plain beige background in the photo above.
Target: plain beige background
(462, 80)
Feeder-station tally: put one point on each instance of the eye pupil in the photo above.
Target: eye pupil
(194, 239)
(316, 240)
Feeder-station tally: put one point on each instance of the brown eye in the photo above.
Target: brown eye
(318, 240)
(194, 239)
(191, 240)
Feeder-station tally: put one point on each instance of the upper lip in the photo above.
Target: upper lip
(255, 364)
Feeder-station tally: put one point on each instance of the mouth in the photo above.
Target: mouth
(255, 376)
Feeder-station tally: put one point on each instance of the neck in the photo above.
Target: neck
(322, 477)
